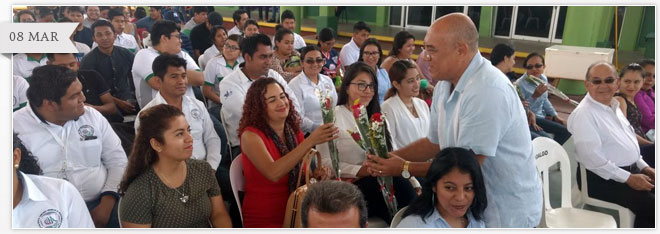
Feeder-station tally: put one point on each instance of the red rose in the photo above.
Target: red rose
(356, 136)
(377, 117)
(327, 103)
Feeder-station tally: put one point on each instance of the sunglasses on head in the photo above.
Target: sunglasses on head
(317, 60)
(530, 66)
(608, 80)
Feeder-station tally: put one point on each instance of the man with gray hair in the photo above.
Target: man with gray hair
(607, 148)
(334, 204)
(474, 107)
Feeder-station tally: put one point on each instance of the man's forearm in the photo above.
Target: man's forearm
(418, 151)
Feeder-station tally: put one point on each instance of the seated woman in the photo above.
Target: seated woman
(630, 82)
(219, 37)
(285, 60)
(43, 202)
(402, 49)
(251, 28)
(310, 84)
(327, 39)
(360, 83)
(372, 55)
(407, 115)
(537, 96)
(162, 186)
(645, 98)
(273, 147)
(453, 196)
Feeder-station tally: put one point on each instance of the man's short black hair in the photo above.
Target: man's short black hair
(249, 45)
(43, 13)
(114, 13)
(165, 60)
(331, 196)
(162, 28)
(158, 8)
(103, 8)
(65, 20)
(214, 18)
(51, 56)
(361, 25)
(646, 62)
(101, 23)
(287, 14)
(215, 29)
(200, 9)
(237, 15)
(75, 9)
(49, 82)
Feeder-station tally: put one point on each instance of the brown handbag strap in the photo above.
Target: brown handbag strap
(306, 163)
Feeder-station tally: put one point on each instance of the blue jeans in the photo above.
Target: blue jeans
(113, 221)
(559, 131)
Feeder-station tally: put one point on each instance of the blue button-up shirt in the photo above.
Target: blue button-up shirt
(435, 220)
(483, 113)
(541, 105)
(384, 84)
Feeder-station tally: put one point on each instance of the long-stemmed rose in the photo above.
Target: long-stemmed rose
(328, 114)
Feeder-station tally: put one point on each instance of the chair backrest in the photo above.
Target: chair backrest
(547, 153)
(237, 180)
(224, 127)
(397, 217)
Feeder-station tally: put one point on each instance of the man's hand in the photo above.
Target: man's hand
(650, 172)
(559, 120)
(531, 118)
(539, 91)
(385, 167)
(640, 182)
(125, 106)
(101, 213)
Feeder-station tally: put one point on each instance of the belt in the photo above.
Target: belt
(632, 168)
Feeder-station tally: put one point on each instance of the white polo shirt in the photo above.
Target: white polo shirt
(298, 41)
(215, 71)
(20, 92)
(124, 40)
(308, 94)
(85, 151)
(142, 73)
(206, 143)
(23, 64)
(233, 89)
(349, 54)
(604, 139)
(234, 30)
(50, 203)
(208, 54)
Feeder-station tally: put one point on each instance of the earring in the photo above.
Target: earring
(16, 165)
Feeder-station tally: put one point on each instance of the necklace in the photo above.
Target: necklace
(184, 197)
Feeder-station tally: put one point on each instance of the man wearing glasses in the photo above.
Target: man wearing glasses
(607, 147)
(474, 107)
(165, 38)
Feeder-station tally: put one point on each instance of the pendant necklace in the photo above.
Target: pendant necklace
(184, 197)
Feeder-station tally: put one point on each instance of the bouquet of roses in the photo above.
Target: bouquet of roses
(371, 137)
(551, 89)
(328, 114)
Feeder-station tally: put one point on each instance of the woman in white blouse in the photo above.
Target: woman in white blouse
(360, 82)
(310, 84)
(407, 115)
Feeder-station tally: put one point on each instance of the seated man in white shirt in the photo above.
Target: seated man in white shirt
(72, 141)
(169, 71)
(119, 21)
(350, 52)
(289, 22)
(257, 52)
(165, 38)
(334, 204)
(607, 147)
(240, 16)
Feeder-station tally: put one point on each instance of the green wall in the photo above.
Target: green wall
(630, 29)
(588, 25)
(486, 21)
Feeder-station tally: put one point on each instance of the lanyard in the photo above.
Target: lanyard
(63, 141)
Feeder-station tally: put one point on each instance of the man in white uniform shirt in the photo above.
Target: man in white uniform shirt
(165, 38)
(23, 63)
(257, 52)
(20, 91)
(289, 22)
(169, 70)
(350, 52)
(239, 16)
(72, 141)
(118, 20)
(607, 147)
(477, 108)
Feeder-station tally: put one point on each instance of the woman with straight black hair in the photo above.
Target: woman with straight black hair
(453, 194)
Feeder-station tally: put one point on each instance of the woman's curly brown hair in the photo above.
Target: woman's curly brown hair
(254, 108)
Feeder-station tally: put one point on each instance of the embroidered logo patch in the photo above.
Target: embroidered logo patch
(228, 93)
(50, 218)
(196, 114)
(86, 132)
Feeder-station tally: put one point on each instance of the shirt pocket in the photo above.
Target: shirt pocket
(90, 153)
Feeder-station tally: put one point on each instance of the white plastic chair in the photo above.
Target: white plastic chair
(547, 153)
(397, 217)
(224, 127)
(237, 180)
(626, 216)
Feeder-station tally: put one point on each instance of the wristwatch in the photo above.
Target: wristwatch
(405, 173)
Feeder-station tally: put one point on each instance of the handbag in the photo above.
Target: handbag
(292, 217)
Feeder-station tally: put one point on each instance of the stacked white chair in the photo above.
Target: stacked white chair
(237, 180)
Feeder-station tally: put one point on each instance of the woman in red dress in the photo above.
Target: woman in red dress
(273, 146)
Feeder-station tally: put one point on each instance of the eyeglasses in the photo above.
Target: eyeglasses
(375, 53)
(530, 66)
(317, 60)
(363, 86)
(608, 80)
(177, 36)
(231, 47)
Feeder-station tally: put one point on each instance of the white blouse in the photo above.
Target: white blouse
(404, 127)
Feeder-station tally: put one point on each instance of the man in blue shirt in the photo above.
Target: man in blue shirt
(155, 14)
(477, 108)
